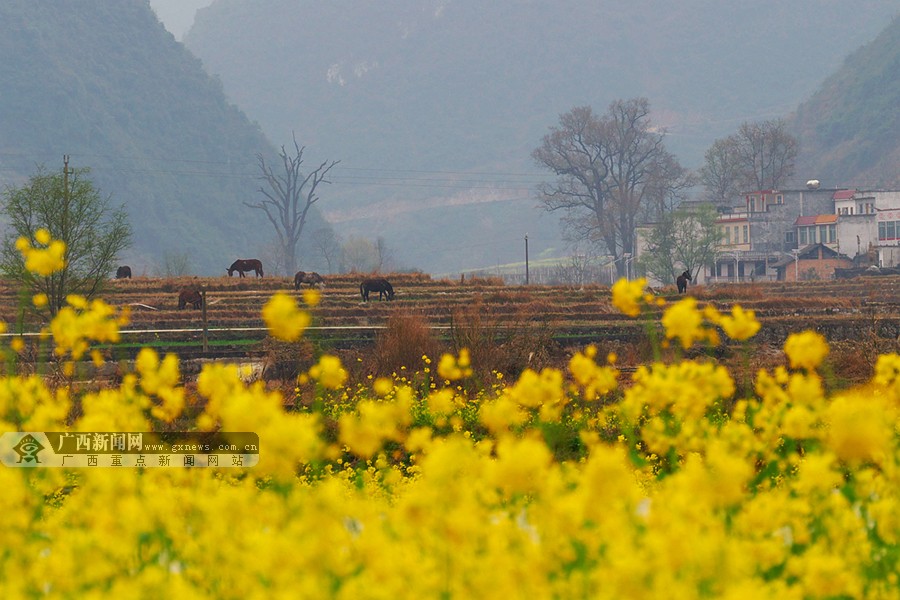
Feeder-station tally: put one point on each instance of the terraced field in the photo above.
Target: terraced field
(860, 316)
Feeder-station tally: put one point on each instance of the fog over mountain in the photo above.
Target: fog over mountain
(434, 106)
(106, 84)
(850, 128)
(177, 15)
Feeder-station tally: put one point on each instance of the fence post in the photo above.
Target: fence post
(205, 324)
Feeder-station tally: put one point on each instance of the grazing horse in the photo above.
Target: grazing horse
(123, 272)
(243, 265)
(682, 280)
(381, 286)
(189, 296)
(311, 278)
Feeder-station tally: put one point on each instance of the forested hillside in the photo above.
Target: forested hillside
(436, 102)
(105, 83)
(850, 128)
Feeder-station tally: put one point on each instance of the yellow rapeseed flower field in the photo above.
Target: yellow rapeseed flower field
(561, 484)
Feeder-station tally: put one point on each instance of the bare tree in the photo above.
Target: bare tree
(767, 153)
(329, 247)
(289, 197)
(359, 255)
(611, 171)
(760, 156)
(720, 175)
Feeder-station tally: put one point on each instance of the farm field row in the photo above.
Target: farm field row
(236, 303)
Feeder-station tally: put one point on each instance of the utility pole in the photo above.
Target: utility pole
(526, 259)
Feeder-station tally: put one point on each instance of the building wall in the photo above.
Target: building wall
(823, 269)
(849, 227)
(889, 256)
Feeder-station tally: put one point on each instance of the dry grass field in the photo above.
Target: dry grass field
(507, 328)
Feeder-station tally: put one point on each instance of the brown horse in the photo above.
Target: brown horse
(681, 281)
(123, 272)
(243, 265)
(189, 296)
(381, 286)
(312, 279)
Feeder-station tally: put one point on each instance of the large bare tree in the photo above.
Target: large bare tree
(611, 171)
(721, 175)
(759, 156)
(288, 197)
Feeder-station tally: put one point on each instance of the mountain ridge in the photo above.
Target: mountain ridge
(108, 85)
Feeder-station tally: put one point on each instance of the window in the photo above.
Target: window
(789, 238)
(746, 234)
(779, 199)
(882, 230)
(728, 236)
(891, 230)
(832, 233)
(803, 235)
(737, 238)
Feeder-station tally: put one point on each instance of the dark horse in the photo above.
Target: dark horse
(311, 278)
(123, 272)
(381, 286)
(682, 280)
(243, 265)
(189, 296)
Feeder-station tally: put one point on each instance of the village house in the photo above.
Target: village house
(836, 227)
(797, 234)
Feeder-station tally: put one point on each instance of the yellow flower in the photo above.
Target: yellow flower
(451, 368)
(311, 297)
(42, 236)
(682, 320)
(806, 350)
(284, 319)
(860, 429)
(383, 386)
(43, 261)
(741, 324)
(329, 372)
(40, 300)
(626, 295)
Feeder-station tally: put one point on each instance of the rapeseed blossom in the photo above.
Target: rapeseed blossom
(284, 318)
(627, 295)
(453, 368)
(668, 487)
(45, 260)
(806, 350)
(329, 372)
(740, 324)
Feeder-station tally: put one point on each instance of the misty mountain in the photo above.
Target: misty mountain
(850, 128)
(434, 106)
(106, 84)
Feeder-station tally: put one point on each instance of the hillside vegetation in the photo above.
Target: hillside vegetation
(850, 128)
(105, 83)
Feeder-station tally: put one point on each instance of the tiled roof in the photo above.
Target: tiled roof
(815, 220)
(843, 194)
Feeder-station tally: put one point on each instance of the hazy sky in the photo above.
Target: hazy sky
(178, 15)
